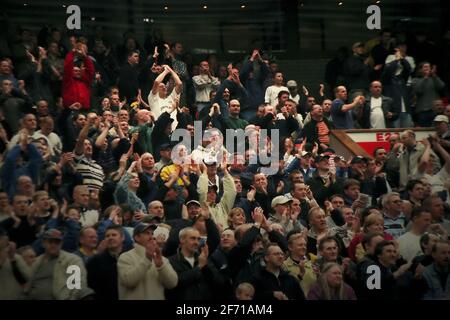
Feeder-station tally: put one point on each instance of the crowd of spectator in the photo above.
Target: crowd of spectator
(89, 181)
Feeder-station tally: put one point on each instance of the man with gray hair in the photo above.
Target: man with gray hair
(198, 278)
(395, 221)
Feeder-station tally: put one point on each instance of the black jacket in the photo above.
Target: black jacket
(171, 246)
(159, 135)
(266, 283)
(102, 276)
(285, 126)
(395, 85)
(242, 263)
(194, 283)
(310, 131)
(356, 73)
(322, 193)
(128, 82)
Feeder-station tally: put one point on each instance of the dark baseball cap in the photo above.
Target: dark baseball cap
(142, 227)
(321, 157)
(358, 159)
(52, 234)
(165, 146)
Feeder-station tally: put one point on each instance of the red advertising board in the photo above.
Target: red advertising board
(370, 139)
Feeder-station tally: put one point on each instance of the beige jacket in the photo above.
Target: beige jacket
(61, 290)
(10, 288)
(308, 279)
(219, 212)
(140, 279)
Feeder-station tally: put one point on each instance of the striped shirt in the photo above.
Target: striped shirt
(323, 132)
(395, 227)
(91, 171)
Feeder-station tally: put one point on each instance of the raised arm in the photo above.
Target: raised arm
(159, 79)
(359, 100)
(176, 78)
(102, 137)
(79, 146)
(440, 149)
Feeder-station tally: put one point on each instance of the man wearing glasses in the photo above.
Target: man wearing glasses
(273, 283)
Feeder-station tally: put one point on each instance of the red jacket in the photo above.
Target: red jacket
(357, 240)
(77, 90)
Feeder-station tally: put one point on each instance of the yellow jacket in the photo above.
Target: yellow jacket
(308, 279)
(168, 170)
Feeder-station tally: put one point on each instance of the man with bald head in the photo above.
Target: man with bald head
(156, 208)
(25, 186)
(144, 128)
(81, 196)
(204, 83)
(28, 125)
(378, 110)
(341, 111)
(233, 121)
(318, 129)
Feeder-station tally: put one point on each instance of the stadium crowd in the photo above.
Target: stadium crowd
(89, 182)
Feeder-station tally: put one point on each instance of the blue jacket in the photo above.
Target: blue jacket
(123, 195)
(435, 291)
(10, 172)
(71, 233)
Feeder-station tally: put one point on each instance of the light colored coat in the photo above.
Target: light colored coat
(10, 288)
(308, 279)
(140, 279)
(61, 290)
(219, 212)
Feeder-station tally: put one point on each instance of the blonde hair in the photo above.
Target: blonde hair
(233, 212)
(244, 286)
(295, 237)
(371, 219)
(314, 209)
(39, 194)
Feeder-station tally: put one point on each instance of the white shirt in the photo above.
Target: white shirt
(191, 260)
(55, 143)
(296, 98)
(89, 218)
(437, 180)
(409, 246)
(271, 96)
(201, 153)
(159, 105)
(376, 114)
